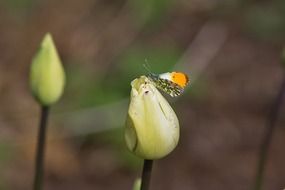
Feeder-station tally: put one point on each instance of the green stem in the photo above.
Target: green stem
(146, 174)
(39, 169)
(271, 123)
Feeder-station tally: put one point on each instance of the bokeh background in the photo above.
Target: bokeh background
(230, 49)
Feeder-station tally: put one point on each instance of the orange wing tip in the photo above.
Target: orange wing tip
(180, 78)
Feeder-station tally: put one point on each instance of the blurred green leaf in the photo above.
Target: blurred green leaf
(150, 11)
(18, 5)
(266, 22)
(2, 185)
(115, 139)
(283, 57)
(87, 88)
(198, 91)
(159, 59)
(5, 152)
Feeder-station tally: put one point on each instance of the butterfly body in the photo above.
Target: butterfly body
(173, 83)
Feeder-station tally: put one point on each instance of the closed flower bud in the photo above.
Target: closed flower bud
(137, 184)
(47, 77)
(152, 127)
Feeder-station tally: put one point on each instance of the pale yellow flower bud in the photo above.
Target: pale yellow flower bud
(47, 77)
(152, 127)
(137, 184)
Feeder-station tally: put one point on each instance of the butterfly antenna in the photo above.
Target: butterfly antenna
(147, 67)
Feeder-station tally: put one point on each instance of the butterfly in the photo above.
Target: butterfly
(173, 83)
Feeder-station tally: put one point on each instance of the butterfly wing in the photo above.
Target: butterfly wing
(167, 86)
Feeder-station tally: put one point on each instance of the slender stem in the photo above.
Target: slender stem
(146, 174)
(271, 123)
(39, 169)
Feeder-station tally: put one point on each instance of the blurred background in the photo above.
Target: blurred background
(230, 49)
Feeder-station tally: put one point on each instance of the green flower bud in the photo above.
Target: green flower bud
(47, 77)
(152, 127)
